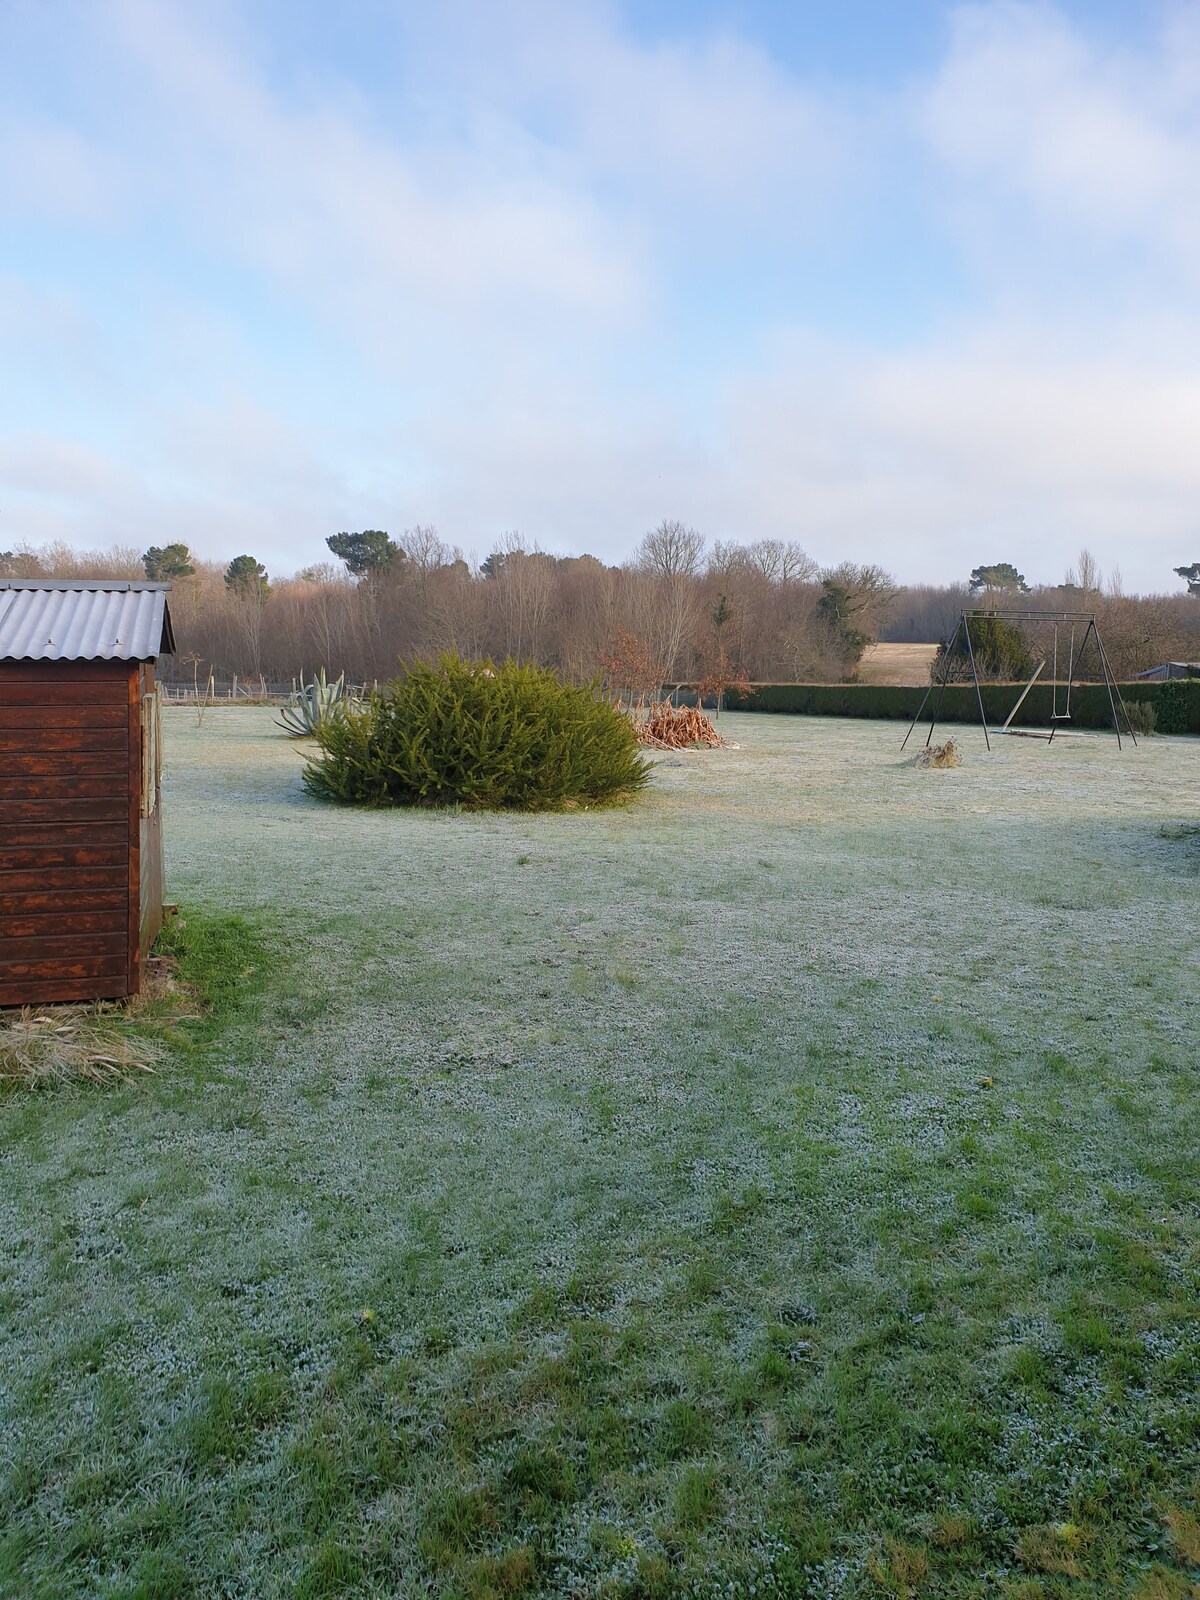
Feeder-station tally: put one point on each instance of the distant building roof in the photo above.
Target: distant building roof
(83, 619)
(1171, 669)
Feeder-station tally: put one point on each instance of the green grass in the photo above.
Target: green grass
(785, 1185)
(225, 959)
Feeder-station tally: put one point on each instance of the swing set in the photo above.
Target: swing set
(1049, 624)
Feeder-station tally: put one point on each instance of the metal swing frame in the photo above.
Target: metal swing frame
(1074, 657)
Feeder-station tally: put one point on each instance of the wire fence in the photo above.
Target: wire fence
(214, 689)
(259, 690)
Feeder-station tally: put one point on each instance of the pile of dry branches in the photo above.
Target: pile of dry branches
(939, 755)
(668, 727)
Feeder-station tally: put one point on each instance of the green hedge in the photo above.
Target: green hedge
(1176, 704)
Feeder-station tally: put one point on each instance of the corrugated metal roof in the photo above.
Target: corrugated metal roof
(64, 619)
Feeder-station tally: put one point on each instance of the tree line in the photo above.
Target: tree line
(680, 610)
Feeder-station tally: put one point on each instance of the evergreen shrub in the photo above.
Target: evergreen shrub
(1001, 652)
(467, 733)
(1142, 716)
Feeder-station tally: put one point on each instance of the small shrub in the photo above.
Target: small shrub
(463, 733)
(1141, 714)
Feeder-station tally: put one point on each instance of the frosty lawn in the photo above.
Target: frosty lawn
(787, 1181)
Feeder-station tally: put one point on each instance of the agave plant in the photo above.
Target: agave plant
(313, 704)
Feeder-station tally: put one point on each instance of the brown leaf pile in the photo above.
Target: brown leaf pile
(668, 727)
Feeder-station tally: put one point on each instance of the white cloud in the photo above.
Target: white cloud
(934, 460)
(32, 463)
(1092, 138)
(479, 305)
(693, 123)
(380, 236)
(51, 171)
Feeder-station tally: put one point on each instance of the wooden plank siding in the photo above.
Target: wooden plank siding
(69, 830)
(69, 884)
(32, 720)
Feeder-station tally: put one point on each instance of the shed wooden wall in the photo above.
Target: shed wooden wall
(70, 831)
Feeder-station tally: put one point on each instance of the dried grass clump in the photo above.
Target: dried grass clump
(939, 755)
(164, 994)
(57, 1044)
(668, 727)
(41, 1046)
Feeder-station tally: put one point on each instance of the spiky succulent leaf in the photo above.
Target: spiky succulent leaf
(311, 706)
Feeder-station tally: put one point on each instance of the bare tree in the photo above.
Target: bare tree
(869, 593)
(61, 560)
(778, 623)
(584, 618)
(523, 584)
(669, 557)
(425, 550)
(781, 562)
(671, 550)
(1085, 574)
(630, 670)
(718, 669)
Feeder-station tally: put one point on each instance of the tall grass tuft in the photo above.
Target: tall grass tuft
(464, 733)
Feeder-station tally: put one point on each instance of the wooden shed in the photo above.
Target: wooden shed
(81, 876)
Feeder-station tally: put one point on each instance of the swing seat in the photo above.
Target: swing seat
(1060, 716)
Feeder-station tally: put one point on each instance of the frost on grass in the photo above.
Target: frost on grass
(766, 1188)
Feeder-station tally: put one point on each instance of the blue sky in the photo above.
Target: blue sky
(913, 283)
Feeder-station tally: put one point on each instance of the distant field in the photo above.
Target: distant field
(785, 1186)
(897, 663)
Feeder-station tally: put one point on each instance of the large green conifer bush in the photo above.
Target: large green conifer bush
(467, 733)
